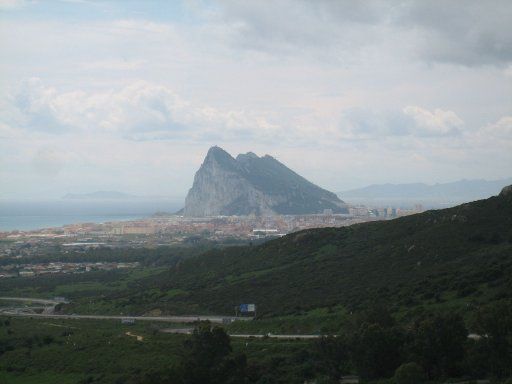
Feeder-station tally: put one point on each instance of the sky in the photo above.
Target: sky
(129, 95)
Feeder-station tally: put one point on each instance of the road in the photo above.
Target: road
(188, 331)
(171, 319)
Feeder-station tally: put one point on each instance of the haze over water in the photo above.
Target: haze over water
(30, 214)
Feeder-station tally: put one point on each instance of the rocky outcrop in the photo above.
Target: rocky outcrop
(255, 185)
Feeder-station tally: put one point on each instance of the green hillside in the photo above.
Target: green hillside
(457, 257)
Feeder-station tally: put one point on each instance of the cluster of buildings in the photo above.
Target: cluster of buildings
(161, 230)
(383, 212)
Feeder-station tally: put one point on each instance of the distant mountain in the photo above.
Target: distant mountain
(256, 185)
(458, 191)
(99, 195)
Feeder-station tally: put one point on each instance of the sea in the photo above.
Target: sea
(30, 215)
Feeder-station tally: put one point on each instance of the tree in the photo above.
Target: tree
(438, 344)
(376, 351)
(333, 356)
(207, 358)
(409, 373)
(494, 323)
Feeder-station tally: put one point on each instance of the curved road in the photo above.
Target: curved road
(31, 300)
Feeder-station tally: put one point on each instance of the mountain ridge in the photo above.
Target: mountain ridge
(458, 191)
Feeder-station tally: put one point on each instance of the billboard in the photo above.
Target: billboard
(244, 308)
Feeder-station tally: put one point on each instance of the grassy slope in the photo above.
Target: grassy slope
(439, 258)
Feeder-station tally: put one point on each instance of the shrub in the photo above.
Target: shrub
(409, 373)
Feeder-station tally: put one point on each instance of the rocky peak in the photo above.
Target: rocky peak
(250, 184)
(246, 157)
(219, 156)
(216, 152)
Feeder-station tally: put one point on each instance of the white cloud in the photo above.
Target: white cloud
(140, 110)
(434, 123)
(412, 121)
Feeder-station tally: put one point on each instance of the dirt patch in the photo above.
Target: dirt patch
(138, 337)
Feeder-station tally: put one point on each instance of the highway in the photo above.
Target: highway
(170, 319)
(21, 312)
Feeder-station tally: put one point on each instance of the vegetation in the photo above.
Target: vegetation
(409, 373)
(451, 260)
(402, 298)
(434, 348)
(151, 257)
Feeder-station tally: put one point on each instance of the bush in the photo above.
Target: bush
(409, 373)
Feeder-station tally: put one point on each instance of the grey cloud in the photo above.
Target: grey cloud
(329, 28)
(464, 32)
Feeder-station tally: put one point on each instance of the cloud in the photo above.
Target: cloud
(140, 110)
(501, 129)
(434, 123)
(470, 33)
(414, 121)
(333, 30)
(6, 5)
(36, 106)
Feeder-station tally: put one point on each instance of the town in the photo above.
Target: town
(163, 229)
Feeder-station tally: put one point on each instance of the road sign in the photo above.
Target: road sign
(244, 308)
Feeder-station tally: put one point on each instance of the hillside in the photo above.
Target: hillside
(457, 257)
(253, 185)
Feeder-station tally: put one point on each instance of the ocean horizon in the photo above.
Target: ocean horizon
(27, 215)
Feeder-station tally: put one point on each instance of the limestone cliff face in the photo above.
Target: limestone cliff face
(256, 185)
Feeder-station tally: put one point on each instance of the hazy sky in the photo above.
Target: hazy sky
(129, 95)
